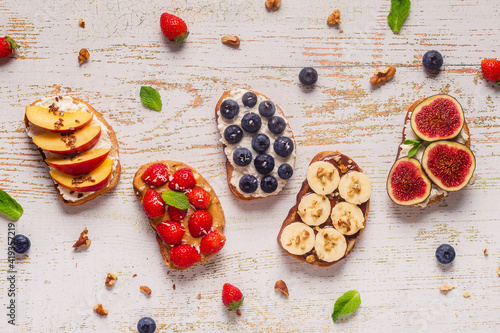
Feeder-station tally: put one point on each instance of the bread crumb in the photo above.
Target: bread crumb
(199, 296)
(134, 275)
(446, 287)
(485, 252)
(466, 294)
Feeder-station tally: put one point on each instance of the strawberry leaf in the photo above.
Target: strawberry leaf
(10, 206)
(151, 98)
(397, 15)
(175, 199)
(346, 304)
(181, 38)
(234, 305)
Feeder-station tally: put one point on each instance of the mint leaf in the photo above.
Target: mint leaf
(398, 13)
(416, 145)
(10, 206)
(346, 304)
(176, 199)
(151, 98)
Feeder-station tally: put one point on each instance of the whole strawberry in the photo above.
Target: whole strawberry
(184, 255)
(200, 223)
(231, 297)
(170, 232)
(176, 214)
(491, 69)
(153, 204)
(212, 242)
(182, 180)
(155, 175)
(173, 27)
(199, 198)
(7, 46)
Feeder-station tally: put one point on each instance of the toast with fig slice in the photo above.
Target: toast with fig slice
(434, 157)
(78, 145)
(184, 211)
(330, 212)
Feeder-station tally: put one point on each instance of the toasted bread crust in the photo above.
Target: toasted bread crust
(215, 207)
(115, 175)
(294, 216)
(229, 166)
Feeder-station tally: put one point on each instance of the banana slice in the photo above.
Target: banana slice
(355, 187)
(323, 177)
(330, 245)
(314, 209)
(297, 238)
(347, 218)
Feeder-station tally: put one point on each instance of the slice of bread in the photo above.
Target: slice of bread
(107, 133)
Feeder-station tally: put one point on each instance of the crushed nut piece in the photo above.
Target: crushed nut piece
(273, 4)
(343, 169)
(84, 55)
(281, 286)
(233, 41)
(446, 287)
(382, 76)
(81, 23)
(466, 294)
(84, 240)
(485, 252)
(100, 310)
(310, 258)
(337, 158)
(146, 290)
(111, 279)
(199, 296)
(334, 18)
(173, 287)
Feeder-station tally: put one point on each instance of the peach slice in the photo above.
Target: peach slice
(92, 181)
(57, 120)
(81, 163)
(69, 142)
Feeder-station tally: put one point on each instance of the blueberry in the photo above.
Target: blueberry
(267, 109)
(20, 244)
(269, 184)
(276, 125)
(264, 163)
(233, 134)
(260, 143)
(308, 76)
(249, 99)
(242, 156)
(283, 146)
(432, 60)
(248, 183)
(251, 122)
(445, 253)
(146, 325)
(285, 171)
(229, 109)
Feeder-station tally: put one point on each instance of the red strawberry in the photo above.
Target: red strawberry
(231, 297)
(199, 198)
(184, 255)
(213, 242)
(182, 180)
(170, 232)
(173, 27)
(7, 46)
(200, 223)
(155, 175)
(176, 214)
(153, 204)
(491, 69)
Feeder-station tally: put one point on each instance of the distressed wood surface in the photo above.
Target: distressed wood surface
(393, 264)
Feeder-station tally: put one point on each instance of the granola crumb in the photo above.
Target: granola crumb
(466, 294)
(199, 296)
(446, 287)
(100, 310)
(145, 289)
(485, 252)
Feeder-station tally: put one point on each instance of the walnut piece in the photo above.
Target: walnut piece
(233, 41)
(382, 76)
(111, 279)
(100, 310)
(84, 240)
(81, 23)
(273, 4)
(310, 258)
(334, 18)
(281, 286)
(446, 287)
(342, 168)
(146, 290)
(83, 56)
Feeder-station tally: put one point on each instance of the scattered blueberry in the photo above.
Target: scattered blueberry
(276, 125)
(432, 60)
(260, 143)
(264, 163)
(285, 171)
(20, 244)
(248, 183)
(229, 109)
(308, 76)
(267, 109)
(269, 184)
(445, 253)
(146, 325)
(242, 156)
(233, 134)
(283, 146)
(251, 122)
(249, 99)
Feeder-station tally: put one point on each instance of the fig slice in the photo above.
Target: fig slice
(407, 183)
(449, 164)
(439, 117)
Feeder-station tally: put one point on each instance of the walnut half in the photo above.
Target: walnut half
(273, 4)
(111, 279)
(84, 240)
(382, 76)
(83, 56)
(334, 18)
(100, 310)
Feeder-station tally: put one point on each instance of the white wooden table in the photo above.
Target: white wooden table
(393, 264)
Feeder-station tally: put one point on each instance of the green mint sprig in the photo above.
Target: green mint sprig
(151, 98)
(10, 206)
(345, 304)
(176, 199)
(397, 15)
(416, 145)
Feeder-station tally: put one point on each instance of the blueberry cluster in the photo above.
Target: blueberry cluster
(262, 144)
